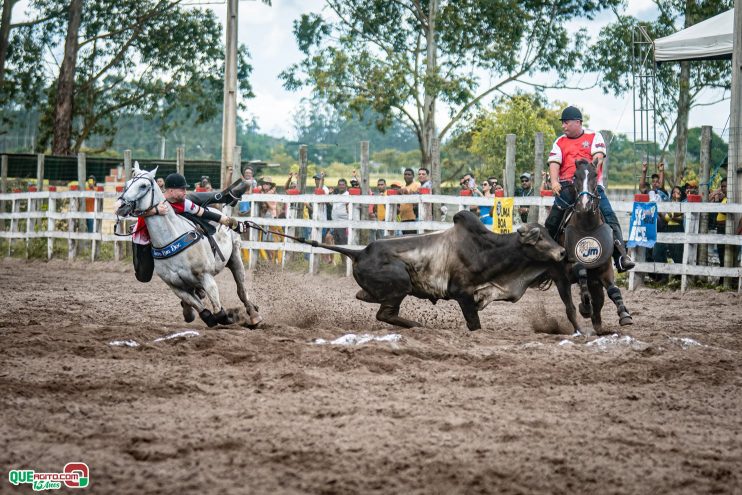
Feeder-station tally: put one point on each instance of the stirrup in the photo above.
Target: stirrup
(624, 263)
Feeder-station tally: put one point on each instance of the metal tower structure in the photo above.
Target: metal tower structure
(644, 86)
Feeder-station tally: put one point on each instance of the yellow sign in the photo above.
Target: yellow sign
(502, 216)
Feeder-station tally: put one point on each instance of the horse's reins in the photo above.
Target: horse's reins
(136, 213)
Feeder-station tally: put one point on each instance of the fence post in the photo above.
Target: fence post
(14, 208)
(3, 186)
(351, 235)
(127, 165)
(97, 224)
(302, 179)
(509, 178)
(608, 137)
(435, 175)
(180, 160)
(538, 168)
(71, 243)
(253, 234)
(81, 171)
(40, 171)
(703, 188)
(316, 236)
(50, 225)
(30, 222)
(236, 165)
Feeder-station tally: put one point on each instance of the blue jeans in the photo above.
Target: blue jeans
(567, 198)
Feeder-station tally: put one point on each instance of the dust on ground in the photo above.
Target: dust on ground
(512, 408)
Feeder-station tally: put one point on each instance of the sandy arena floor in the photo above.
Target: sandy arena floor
(442, 410)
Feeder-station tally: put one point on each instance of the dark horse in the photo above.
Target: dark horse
(588, 241)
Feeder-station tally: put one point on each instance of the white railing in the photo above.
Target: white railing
(66, 223)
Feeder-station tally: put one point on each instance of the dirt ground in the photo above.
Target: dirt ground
(505, 409)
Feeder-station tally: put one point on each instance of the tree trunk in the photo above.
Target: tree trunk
(5, 34)
(681, 143)
(431, 69)
(64, 104)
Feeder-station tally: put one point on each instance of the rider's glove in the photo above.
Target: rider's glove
(230, 222)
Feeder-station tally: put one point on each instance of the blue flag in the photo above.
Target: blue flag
(643, 226)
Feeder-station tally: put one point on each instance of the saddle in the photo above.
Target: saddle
(590, 248)
(207, 229)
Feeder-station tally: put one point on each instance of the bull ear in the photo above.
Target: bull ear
(529, 236)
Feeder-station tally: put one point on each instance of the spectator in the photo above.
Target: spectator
(487, 189)
(205, 184)
(268, 209)
(161, 184)
(493, 181)
(657, 190)
(691, 187)
(340, 211)
(290, 182)
(378, 212)
(673, 222)
(468, 182)
(423, 175)
(720, 219)
(408, 212)
(90, 203)
(545, 181)
(525, 189)
(249, 176)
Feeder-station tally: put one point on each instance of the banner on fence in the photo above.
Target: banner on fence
(502, 216)
(643, 225)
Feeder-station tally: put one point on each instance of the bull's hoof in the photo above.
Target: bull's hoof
(625, 320)
(223, 318)
(189, 314)
(208, 318)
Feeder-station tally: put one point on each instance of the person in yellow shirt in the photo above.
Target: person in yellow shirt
(378, 212)
(407, 212)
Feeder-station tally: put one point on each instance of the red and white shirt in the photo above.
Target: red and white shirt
(566, 151)
(141, 234)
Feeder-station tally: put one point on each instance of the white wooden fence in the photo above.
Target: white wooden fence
(65, 223)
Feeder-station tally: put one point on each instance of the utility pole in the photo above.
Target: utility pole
(734, 167)
(229, 120)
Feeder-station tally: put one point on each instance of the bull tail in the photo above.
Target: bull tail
(350, 253)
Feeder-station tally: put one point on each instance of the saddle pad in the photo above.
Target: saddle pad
(178, 245)
(592, 249)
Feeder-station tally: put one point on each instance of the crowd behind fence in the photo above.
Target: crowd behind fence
(61, 215)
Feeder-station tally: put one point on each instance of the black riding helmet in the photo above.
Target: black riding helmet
(571, 113)
(175, 181)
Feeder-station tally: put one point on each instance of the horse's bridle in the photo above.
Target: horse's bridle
(133, 202)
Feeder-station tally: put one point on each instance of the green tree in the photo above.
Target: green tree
(401, 58)
(521, 115)
(678, 85)
(153, 56)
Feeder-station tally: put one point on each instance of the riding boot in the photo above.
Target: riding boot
(144, 263)
(554, 220)
(621, 259)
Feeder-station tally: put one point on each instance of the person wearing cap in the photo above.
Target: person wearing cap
(175, 198)
(576, 143)
(525, 189)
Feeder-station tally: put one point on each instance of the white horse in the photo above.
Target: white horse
(190, 272)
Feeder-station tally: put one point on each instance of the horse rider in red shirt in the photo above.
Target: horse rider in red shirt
(578, 142)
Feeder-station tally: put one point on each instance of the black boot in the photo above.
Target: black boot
(621, 259)
(144, 263)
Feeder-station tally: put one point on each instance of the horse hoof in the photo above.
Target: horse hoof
(208, 318)
(626, 320)
(255, 321)
(189, 314)
(585, 311)
(223, 318)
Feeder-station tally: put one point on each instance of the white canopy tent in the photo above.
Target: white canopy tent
(710, 39)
